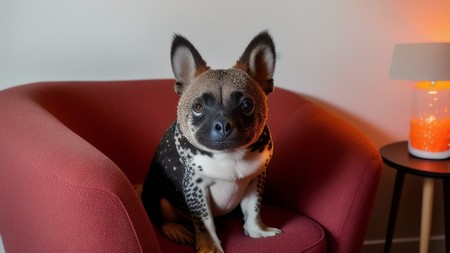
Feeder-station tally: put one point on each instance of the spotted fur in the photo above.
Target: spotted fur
(214, 157)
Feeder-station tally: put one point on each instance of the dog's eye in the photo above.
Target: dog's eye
(197, 108)
(247, 106)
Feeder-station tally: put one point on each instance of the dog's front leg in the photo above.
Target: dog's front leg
(250, 205)
(198, 199)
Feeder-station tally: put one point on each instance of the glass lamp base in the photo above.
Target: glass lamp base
(428, 155)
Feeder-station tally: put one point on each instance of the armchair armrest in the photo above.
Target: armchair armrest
(333, 169)
(58, 192)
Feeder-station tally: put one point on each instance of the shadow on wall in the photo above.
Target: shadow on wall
(376, 136)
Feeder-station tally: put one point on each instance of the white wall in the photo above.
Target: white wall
(336, 52)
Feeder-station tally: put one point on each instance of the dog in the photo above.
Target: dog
(214, 157)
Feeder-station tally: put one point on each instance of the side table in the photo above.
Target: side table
(396, 155)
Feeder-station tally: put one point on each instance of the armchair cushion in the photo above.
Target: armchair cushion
(300, 234)
(71, 151)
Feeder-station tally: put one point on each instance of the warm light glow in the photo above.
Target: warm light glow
(433, 86)
(430, 134)
(428, 19)
(430, 125)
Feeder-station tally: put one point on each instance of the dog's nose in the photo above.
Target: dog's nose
(223, 127)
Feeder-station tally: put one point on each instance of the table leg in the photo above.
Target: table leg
(399, 179)
(427, 211)
(446, 214)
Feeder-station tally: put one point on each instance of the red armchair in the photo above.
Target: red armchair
(71, 151)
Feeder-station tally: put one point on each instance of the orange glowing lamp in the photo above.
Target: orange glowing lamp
(429, 135)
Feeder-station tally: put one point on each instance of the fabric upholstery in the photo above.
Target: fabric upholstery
(71, 151)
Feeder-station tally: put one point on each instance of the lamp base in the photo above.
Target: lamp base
(428, 155)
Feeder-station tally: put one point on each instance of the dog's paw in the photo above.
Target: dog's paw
(206, 244)
(208, 250)
(259, 232)
(178, 233)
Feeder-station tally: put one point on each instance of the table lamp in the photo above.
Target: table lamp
(428, 63)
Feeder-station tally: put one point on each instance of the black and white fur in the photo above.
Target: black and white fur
(213, 158)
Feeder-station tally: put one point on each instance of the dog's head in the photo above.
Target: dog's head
(223, 110)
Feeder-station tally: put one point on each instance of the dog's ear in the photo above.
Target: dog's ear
(186, 61)
(258, 60)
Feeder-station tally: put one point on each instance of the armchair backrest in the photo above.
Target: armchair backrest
(125, 120)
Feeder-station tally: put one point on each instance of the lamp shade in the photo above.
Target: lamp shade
(422, 62)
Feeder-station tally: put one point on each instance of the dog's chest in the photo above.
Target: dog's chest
(226, 175)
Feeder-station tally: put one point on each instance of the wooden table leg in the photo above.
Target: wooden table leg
(399, 179)
(446, 214)
(427, 212)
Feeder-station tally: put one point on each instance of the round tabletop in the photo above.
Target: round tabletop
(397, 156)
